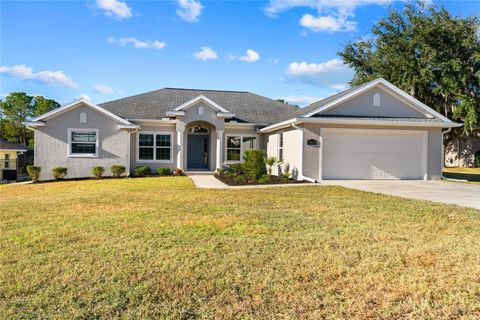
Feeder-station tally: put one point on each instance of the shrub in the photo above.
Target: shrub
(235, 170)
(254, 164)
(264, 179)
(59, 172)
(164, 171)
(34, 172)
(178, 172)
(117, 170)
(142, 171)
(270, 162)
(220, 171)
(286, 175)
(241, 179)
(476, 160)
(98, 171)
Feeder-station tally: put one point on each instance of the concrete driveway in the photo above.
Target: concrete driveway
(462, 194)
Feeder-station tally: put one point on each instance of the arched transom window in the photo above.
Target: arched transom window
(198, 129)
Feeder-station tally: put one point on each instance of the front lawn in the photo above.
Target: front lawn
(462, 170)
(159, 248)
(468, 174)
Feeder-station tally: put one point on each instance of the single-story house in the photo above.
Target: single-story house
(9, 156)
(373, 131)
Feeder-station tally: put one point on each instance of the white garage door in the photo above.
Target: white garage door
(374, 154)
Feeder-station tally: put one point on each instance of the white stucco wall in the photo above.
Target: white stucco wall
(292, 149)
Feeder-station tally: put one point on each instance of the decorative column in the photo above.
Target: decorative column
(219, 148)
(180, 131)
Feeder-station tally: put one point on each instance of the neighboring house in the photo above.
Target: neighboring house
(9, 155)
(374, 131)
(460, 152)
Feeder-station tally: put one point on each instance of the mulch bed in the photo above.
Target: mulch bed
(273, 180)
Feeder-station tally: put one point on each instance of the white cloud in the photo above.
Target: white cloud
(206, 53)
(189, 10)
(138, 44)
(327, 23)
(103, 89)
(22, 72)
(84, 96)
(332, 15)
(115, 8)
(332, 74)
(251, 56)
(301, 100)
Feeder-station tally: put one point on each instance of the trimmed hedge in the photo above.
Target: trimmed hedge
(117, 170)
(142, 171)
(164, 171)
(59, 172)
(34, 172)
(98, 171)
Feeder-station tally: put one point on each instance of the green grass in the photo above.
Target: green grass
(159, 248)
(466, 175)
(462, 170)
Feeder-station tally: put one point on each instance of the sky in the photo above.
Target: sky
(104, 50)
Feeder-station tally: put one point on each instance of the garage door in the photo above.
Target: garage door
(373, 154)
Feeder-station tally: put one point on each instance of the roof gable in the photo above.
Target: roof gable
(386, 104)
(201, 98)
(56, 112)
(382, 84)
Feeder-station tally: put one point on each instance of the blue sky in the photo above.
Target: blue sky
(108, 49)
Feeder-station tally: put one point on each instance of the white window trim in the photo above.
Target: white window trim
(82, 155)
(241, 148)
(282, 147)
(154, 147)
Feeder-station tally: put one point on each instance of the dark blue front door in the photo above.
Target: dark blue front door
(197, 151)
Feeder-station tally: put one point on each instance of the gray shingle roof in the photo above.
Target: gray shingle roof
(393, 119)
(7, 145)
(247, 107)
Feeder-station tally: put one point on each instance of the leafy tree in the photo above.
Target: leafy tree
(17, 108)
(427, 52)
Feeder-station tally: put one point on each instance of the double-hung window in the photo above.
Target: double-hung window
(82, 142)
(154, 147)
(237, 145)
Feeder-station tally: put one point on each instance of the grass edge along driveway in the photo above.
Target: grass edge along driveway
(160, 248)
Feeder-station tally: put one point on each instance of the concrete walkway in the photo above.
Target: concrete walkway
(462, 194)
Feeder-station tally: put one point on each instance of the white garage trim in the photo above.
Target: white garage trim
(422, 133)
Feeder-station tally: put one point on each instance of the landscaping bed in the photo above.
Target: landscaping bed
(232, 181)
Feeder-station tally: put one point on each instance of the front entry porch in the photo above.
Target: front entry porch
(200, 147)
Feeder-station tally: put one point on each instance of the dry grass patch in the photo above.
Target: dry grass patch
(159, 248)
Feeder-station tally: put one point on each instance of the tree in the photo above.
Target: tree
(428, 53)
(17, 108)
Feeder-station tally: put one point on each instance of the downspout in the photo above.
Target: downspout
(128, 150)
(300, 171)
(443, 151)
